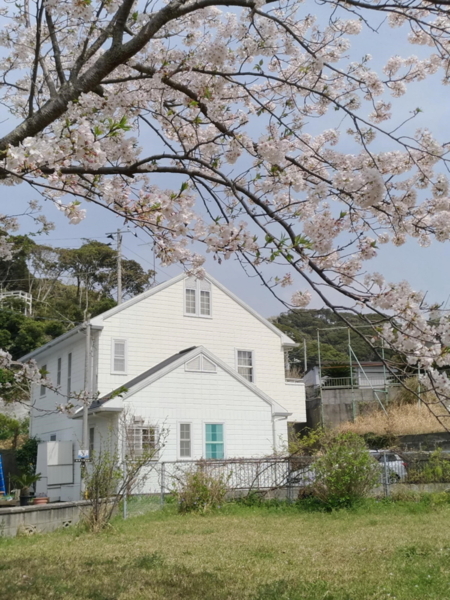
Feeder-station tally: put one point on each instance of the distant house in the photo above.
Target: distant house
(193, 359)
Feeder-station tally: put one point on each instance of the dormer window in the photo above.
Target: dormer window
(197, 297)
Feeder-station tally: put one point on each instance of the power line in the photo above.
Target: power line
(97, 237)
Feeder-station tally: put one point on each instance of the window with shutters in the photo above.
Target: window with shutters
(119, 357)
(197, 298)
(201, 364)
(245, 364)
(185, 440)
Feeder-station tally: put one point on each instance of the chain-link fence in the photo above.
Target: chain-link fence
(286, 478)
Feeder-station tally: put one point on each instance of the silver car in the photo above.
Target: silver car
(395, 465)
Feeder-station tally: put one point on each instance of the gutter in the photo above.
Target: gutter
(61, 338)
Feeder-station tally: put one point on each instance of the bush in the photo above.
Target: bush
(435, 470)
(307, 443)
(26, 456)
(345, 472)
(199, 491)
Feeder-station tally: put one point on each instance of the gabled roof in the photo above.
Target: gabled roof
(169, 364)
(285, 340)
(96, 322)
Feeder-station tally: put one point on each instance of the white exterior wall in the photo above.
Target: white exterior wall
(200, 398)
(46, 420)
(156, 328)
(371, 376)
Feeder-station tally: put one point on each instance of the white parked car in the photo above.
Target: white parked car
(395, 465)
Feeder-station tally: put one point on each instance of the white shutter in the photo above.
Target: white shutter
(119, 356)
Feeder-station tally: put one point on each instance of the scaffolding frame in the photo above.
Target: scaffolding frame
(351, 353)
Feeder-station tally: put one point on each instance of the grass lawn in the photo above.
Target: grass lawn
(380, 551)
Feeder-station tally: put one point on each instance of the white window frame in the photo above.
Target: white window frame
(236, 355)
(179, 423)
(141, 426)
(204, 424)
(113, 345)
(201, 370)
(198, 302)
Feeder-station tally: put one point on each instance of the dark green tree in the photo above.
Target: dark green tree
(302, 324)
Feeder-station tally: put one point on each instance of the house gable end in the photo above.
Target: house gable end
(285, 340)
(174, 362)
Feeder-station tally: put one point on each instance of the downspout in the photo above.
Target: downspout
(274, 435)
(274, 445)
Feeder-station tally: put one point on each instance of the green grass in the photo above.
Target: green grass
(379, 551)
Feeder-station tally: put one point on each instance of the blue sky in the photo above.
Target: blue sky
(425, 269)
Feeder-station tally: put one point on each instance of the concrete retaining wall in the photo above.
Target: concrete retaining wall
(41, 518)
(339, 405)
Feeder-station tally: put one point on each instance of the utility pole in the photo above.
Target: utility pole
(305, 356)
(154, 260)
(83, 454)
(118, 235)
(119, 267)
(87, 387)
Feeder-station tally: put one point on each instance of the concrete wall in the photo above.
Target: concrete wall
(340, 405)
(39, 519)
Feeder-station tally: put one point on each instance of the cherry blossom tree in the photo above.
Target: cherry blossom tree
(230, 96)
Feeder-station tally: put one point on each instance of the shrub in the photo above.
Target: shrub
(435, 470)
(307, 443)
(199, 491)
(345, 472)
(26, 456)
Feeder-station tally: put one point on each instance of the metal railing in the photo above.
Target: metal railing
(348, 382)
(238, 474)
(291, 477)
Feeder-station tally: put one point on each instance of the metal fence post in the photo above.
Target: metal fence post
(163, 472)
(125, 496)
(386, 476)
(289, 483)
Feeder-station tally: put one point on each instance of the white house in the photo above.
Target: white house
(193, 358)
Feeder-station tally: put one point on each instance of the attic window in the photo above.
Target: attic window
(201, 364)
(197, 299)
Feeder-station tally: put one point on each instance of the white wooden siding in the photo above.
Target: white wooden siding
(45, 417)
(200, 398)
(157, 327)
